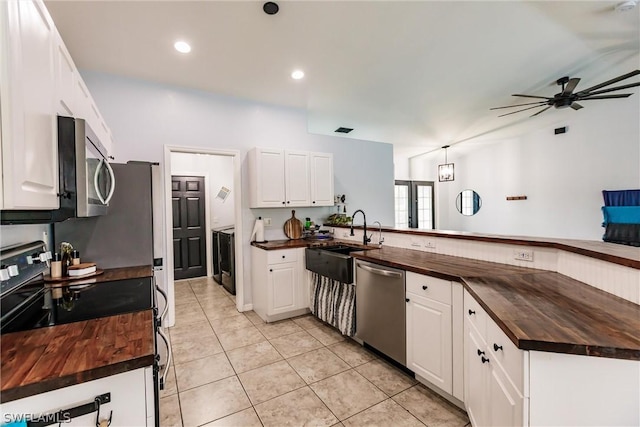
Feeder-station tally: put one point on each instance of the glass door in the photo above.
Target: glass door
(414, 204)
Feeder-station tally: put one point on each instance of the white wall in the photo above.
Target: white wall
(145, 116)
(562, 175)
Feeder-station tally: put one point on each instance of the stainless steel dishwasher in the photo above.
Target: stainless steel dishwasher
(380, 309)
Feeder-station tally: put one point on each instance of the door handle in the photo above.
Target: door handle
(379, 271)
(95, 182)
(163, 380)
(113, 183)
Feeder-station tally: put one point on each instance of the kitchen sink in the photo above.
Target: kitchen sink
(334, 262)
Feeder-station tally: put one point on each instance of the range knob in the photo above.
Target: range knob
(37, 258)
(13, 270)
(4, 273)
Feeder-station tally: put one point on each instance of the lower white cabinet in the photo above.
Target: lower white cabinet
(492, 396)
(279, 285)
(432, 335)
(132, 401)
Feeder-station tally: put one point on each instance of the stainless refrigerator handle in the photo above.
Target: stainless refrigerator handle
(169, 357)
(379, 271)
(166, 302)
(113, 182)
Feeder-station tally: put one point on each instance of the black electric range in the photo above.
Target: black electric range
(27, 302)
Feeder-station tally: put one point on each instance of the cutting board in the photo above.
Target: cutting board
(293, 227)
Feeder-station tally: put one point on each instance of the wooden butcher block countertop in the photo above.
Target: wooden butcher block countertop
(44, 359)
(537, 309)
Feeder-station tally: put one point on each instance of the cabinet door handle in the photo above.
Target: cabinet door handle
(283, 203)
(485, 360)
(282, 256)
(424, 287)
(314, 201)
(271, 269)
(497, 347)
(480, 352)
(471, 312)
(407, 299)
(288, 202)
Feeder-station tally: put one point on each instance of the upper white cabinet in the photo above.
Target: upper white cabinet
(321, 179)
(297, 178)
(38, 82)
(27, 87)
(284, 178)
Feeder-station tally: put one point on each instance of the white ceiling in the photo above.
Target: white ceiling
(417, 74)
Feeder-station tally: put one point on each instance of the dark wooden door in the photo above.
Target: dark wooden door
(189, 246)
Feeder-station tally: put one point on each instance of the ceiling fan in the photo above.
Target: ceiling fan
(567, 98)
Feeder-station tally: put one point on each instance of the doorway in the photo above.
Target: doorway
(189, 233)
(414, 204)
(172, 167)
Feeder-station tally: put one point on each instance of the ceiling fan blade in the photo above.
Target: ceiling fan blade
(531, 96)
(576, 106)
(622, 95)
(571, 85)
(524, 109)
(612, 81)
(611, 89)
(541, 111)
(520, 105)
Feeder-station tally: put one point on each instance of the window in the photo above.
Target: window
(414, 204)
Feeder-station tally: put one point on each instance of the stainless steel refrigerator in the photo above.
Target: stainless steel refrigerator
(130, 234)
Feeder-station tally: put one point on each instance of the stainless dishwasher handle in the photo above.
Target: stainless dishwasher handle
(379, 271)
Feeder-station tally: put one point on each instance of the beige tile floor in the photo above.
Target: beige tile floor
(232, 369)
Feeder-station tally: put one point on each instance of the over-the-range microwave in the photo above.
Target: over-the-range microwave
(86, 181)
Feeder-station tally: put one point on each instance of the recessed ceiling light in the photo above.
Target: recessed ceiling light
(182, 47)
(297, 74)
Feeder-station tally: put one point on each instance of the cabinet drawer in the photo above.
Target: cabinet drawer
(429, 287)
(475, 314)
(510, 357)
(280, 256)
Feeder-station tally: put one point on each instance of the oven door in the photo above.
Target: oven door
(96, 182)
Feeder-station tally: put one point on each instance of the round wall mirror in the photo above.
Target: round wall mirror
(468, 202)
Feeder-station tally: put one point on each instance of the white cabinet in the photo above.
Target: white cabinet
(27, 87)
(279, 285)
(132, 400)
(66, 75)
(285, 178)
(434, 336)
(494, 372)
(297, 178)
(321, 179)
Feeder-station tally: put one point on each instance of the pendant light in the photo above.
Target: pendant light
(445, 171)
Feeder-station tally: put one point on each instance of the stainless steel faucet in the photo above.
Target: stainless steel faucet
(380, 238)
(365, 239)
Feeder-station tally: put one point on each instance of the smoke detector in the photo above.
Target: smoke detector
(626, 6)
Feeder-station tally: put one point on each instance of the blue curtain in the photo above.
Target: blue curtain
(621, 197)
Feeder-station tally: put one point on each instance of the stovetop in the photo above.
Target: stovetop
(27, 302)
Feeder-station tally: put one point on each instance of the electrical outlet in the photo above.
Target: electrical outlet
(523, 255)
(216, 220)
(267, 222)
(430, 244)
(416, 243)
(345, 234)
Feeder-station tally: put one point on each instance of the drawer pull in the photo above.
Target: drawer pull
(282, 256)
(480, 352)
(497, 347)
(424, 287)
(271, 269)
(407, 299)
(471, 312)
(485, 360)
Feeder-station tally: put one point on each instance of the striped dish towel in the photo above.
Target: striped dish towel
(335, 303)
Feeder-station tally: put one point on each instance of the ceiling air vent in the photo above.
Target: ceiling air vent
(343, 130)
